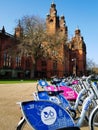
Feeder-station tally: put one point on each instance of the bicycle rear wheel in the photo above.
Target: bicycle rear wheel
(94, 120)
(23, 125)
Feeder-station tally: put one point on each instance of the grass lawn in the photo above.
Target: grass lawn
(5, 81)
(16, 81)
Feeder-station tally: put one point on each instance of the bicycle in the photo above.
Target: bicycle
(57, 84)
(93, 120)
(54, 96)
(33, 113)
(53, 93)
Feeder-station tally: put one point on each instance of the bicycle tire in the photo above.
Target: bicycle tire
(69, 128)
(72, 113)
(91, 107)
(21, 124)
(94, 120)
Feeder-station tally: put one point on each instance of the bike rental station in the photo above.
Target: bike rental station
(61, 104)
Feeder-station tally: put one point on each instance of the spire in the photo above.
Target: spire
(53, 4)
(62, 21)
(19, 25)
(77, 31)
(52, 1)
(62, 17)
(3, 29)
(53, 11)
(18, 30)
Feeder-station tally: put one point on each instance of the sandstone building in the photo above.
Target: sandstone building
(73, 52)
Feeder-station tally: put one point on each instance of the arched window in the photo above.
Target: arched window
(18, 61)
(7, 60)
(51, 21)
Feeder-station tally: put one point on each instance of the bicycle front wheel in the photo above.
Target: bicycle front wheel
(94, 120)
(23, 125)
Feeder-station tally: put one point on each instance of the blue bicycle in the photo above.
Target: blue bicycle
(45, 115)
(48, 115)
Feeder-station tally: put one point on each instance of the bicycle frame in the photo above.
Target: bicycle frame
(85, 107)
(68, 92)
(91, 116)
(44, 114)
(94, 114)
(38, 115)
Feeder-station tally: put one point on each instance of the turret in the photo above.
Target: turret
(77, 32)
(3, 30)
(63, 27)
(52, 20)
(18, 31)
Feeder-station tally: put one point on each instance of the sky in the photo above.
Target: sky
(82, 14)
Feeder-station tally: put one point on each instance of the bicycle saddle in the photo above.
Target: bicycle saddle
(54, 93)
(55, 81)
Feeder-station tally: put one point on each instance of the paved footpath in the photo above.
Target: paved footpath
(10, 113)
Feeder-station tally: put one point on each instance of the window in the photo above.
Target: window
(51, 21)
(7, 60)
(18, 61)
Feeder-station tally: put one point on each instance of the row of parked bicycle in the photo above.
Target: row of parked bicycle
(62, 104)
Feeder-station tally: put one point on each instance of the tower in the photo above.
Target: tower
(55, 24)
(52, 20)
(78, 52)
(18, 31)
(63, 28)
(3, 30)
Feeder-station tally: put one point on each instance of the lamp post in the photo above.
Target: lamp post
(75, 66)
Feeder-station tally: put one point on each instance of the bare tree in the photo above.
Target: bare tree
(36, 42)
(33, 35)
(90, 64)
(54, 45)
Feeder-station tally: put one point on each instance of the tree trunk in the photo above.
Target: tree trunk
(32, 71)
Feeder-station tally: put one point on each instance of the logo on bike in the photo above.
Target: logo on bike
(54, 99)
(48, 115)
